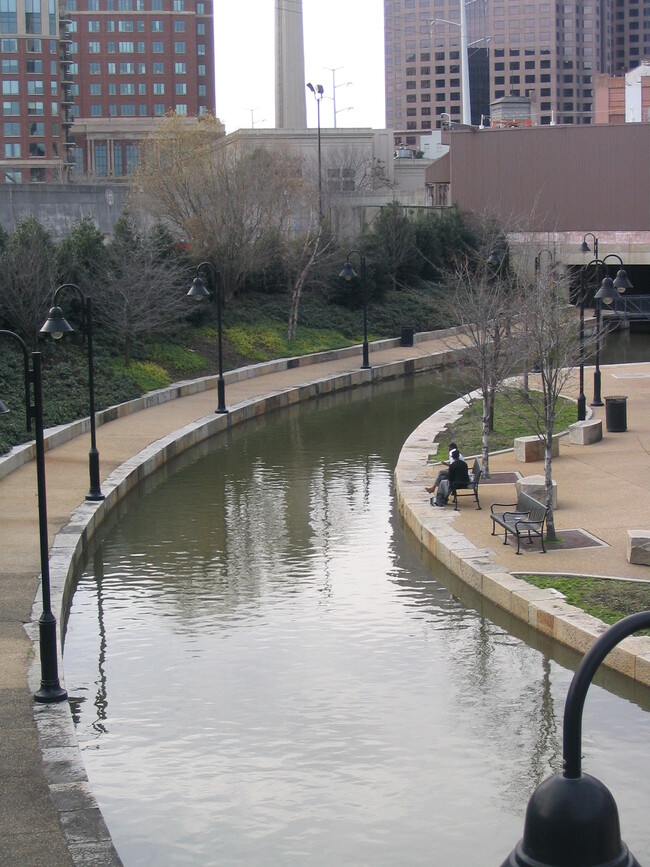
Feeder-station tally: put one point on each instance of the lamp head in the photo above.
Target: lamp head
(584, 247)
(56, 324)
(4, 409)
(311, 87)
(607, 294)
(348, 273)
(198, 289)
(621, 281)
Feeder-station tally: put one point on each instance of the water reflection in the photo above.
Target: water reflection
(264, 671)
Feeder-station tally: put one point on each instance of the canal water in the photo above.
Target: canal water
(264, 670)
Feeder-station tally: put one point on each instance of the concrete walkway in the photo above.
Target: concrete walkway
(47, 813)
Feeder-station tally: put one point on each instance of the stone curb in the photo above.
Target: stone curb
(545, 610)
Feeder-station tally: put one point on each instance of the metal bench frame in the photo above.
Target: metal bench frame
(471, 489)
(527, 517)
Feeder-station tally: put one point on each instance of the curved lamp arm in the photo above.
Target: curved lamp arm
(25, 351)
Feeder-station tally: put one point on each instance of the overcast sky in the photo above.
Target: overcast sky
(337, 33)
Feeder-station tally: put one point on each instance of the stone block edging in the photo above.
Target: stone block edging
(545, 610)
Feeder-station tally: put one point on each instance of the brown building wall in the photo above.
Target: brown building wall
(553, 179)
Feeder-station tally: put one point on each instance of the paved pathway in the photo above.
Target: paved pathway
(30, 830)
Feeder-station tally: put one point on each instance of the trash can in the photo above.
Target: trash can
(407, 336)
(616, 413)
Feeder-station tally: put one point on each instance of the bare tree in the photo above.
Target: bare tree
(482, 297)
(226, 201)
(143, 289)
(553, 350)
(27, 278)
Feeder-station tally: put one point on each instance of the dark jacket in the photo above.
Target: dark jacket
(458, 475)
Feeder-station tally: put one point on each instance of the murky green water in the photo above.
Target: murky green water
(263, 672)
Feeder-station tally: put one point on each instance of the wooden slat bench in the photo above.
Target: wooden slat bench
(525, 517)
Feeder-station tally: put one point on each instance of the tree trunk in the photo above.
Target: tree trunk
(485, 440)
(548, 485)
(127, 351)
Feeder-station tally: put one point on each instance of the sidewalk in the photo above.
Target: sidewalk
(31, 833)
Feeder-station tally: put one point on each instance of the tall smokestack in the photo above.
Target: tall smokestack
(290, 106)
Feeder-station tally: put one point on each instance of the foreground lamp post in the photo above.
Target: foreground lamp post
(318, 92)
(572, 818)
(348, 273)
(199, 290)
(51, 690)
(57, 326)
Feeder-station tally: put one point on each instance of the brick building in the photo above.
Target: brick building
(80, 91)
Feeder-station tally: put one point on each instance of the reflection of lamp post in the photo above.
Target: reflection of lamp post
(572, 818)
(199, 290)
(57, 326)
(318, 92)
(607, 293)
(51, 690)
(348, 273)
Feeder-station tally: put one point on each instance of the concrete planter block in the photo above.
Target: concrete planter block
(535, 487)
(638, 547)
(584, 433)
(530, 449)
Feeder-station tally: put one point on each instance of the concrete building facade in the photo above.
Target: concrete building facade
(547, 51)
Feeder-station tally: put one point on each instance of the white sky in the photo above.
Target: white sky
(337, 33)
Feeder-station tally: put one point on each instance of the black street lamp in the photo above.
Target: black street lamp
(538, 260)
(318, 92)
(348, 273)
(584, 247)
(607, 293)
(57, 326)
(51, 690)
(572, 817)
(199, 290)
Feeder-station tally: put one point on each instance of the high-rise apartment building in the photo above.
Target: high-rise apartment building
(547, 51)
(81, 86)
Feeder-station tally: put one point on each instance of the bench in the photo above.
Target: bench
(526, 516)
(531, 449)
(584, 433)
(471, 489)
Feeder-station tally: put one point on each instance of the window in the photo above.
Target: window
(93, 26)
(201, 69)
(128, 109)
(112, 89)
(11, 66)
(37, 66)
(179, 5)
(125, 26)
(10, 86)
(156, 26)
(13, 176)
(142, 68)
(180, 68)
(202, 90)
(200, 29)
(101, 164)
(8, 46)
(158, 47)
(200, 49)
(32, 16)
(37, 149)
(159, 68)
(142, 109)
(112, 109)
(95, 90)
(158, 108)
(127, 68)
(10, 109)
(11, 129)
(179, 27)
(127, 88)
(125, 5)
(12, 150)
(94, 48)
(159, 88)
(34, 46)
(8, 17)
(126, 47)
(142, 89)
(180, 108)
(37, 176)
(179, 48)
(35, 87)
(156, 5)
(180, 89)
(142, 48)
(95, 110)
(112, 68)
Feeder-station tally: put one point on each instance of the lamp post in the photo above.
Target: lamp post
(51, 690)
(584, 247)
(348, 273)
(538, 260)
(318, 92)
(572, 817)
(607, 293)
(57, 326)
(199, 290)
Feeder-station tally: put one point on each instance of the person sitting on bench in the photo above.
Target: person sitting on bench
(444, 474)
(457, 477)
